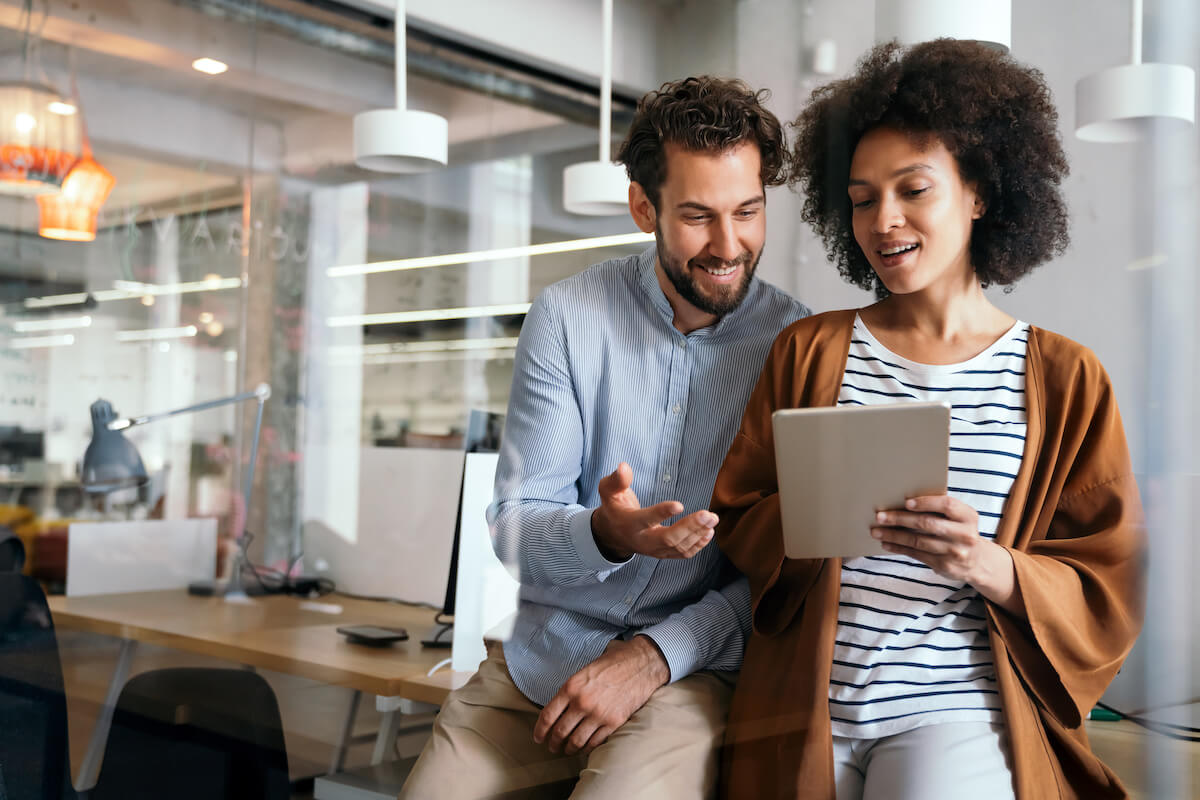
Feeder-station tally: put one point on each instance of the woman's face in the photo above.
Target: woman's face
(912, 212)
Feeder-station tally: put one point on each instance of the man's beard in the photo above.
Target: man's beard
(727, 298)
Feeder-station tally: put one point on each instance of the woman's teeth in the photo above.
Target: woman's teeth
(891, 251)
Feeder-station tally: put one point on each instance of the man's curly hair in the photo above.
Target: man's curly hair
(994, 115)
(702, 114)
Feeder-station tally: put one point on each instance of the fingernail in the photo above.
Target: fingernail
(910, 503)
(881, 517)
(878, 534)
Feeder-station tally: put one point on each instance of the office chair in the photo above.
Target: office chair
(34, 758)
(12, 552)
(207, 734)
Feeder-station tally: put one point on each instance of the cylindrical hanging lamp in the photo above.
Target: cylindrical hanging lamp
(1118, 104)
(399, 139)
(988, 22)
(599, 188)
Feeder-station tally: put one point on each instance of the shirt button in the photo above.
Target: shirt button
(677, 408)
(683, 342)
(628, 601)
(666, 478)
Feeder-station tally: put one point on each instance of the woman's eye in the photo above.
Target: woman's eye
(862, 204)
(915, 192)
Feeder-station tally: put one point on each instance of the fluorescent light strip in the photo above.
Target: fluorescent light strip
(436, 346)
(56, 300)
(63, 324)
(425, 358)
(547, 248)
(400, 317)
(41, 341)
(129, 289)
(154, 334)
(136, 289)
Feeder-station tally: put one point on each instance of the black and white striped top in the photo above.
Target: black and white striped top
(912, 646)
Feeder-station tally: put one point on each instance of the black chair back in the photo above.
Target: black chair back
(12, 552)
(34, 756)
(195, 733)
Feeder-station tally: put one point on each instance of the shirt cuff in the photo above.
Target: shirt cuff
(677, 643)
(585, 545)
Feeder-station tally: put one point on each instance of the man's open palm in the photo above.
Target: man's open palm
(622, 527)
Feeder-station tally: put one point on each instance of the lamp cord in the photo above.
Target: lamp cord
(1171, 730)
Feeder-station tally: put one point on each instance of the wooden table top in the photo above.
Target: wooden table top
(279, 633)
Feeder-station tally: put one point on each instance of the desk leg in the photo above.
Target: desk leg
(89, 771)
(384, 740)
(339, 753)
(393, 710)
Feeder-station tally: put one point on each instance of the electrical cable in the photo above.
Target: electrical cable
(1168, 729)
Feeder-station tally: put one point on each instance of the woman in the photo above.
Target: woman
(963, 662)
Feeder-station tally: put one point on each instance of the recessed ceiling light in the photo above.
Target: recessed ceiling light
(209, 66)
(59, 107)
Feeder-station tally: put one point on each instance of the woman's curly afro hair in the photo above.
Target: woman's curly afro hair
(996, 118)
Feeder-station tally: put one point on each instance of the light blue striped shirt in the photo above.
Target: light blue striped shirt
(602, 376)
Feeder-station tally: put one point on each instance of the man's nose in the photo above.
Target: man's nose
(724, 243)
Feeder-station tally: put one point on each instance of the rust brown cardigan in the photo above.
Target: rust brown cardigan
(1073, 523)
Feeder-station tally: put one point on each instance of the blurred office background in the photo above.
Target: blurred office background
(236, 194)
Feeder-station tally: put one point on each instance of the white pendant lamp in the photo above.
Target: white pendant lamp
(988, 22)
(599, 188)
(1118, 104)
(398, 139)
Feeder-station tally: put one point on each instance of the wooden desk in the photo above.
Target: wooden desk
(279, 633)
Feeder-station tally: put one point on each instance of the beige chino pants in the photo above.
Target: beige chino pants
(482, 745)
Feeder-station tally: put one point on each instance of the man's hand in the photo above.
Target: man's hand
(602, 696)
(622, 527)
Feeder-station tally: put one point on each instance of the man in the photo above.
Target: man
(616, 680)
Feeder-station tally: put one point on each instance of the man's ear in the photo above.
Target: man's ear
(641, 209)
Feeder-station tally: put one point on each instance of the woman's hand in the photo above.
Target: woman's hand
(943, 533)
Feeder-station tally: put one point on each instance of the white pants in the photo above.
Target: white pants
(946, 760)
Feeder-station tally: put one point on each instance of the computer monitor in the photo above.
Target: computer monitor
(18, 446)
(484, 429)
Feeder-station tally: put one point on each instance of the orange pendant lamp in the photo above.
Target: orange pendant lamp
(37, 145)
(70, 215)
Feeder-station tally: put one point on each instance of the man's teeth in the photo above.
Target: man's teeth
(904, 248)
(720, 271)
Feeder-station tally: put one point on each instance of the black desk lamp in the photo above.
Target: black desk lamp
(112, 462)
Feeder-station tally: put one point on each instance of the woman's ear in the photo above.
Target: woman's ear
(980, 207)
(641, 209)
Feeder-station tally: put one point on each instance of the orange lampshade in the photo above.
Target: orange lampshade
(71, 214)
(37, 144)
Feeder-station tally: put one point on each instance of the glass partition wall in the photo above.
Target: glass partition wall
(240, 244)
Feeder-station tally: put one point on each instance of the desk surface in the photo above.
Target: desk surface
(277, 633)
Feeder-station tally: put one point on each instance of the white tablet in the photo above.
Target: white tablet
(838, 466)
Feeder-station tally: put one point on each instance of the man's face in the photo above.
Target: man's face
(710, 226)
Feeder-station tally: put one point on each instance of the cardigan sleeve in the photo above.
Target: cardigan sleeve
(1082, 585)
(746, 499)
